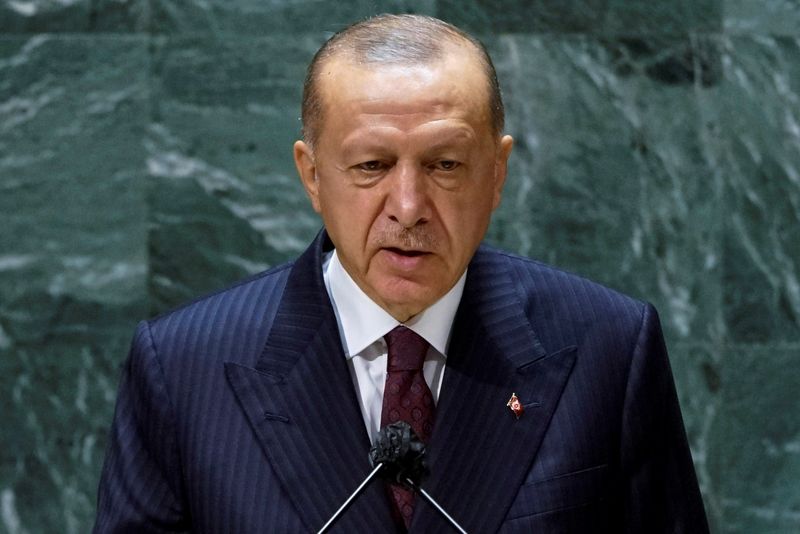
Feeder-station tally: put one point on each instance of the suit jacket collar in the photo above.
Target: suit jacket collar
(480, 451)
(302, 405)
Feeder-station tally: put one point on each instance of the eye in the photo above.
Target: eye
(371, 166)
(446, 165)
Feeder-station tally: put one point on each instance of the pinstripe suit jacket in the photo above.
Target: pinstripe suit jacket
(237, 414)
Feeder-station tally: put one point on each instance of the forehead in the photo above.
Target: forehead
(454, 83)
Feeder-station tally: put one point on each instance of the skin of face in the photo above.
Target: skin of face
(405, 173)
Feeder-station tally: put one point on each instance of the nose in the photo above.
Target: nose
(407, 200)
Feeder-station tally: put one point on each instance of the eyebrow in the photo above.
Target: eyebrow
(451, 136)
(443, 138)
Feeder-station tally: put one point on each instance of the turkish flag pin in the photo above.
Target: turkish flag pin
(515, 405)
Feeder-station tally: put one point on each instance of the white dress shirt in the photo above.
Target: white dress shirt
(362, 325)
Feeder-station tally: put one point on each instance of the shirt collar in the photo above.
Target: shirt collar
(362, 321)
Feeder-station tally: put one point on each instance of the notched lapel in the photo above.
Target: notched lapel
(302, 407)
(480, 452)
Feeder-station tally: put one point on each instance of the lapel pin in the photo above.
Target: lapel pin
(515, 405)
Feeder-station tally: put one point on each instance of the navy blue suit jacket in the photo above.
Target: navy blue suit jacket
(237, 414)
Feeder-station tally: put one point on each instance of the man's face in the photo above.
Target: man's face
(405, 173)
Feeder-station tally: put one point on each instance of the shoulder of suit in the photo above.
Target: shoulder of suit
(540, 281)
(264, 286)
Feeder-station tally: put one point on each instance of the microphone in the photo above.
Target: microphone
(398, 455)
(401, 452)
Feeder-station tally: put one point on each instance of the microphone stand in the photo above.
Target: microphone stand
(408, 481)
(350, 499)
(435, 504)
(399, 449)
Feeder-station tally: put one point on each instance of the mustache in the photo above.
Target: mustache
(416, 238)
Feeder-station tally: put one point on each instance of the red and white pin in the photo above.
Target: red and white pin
(515, 405)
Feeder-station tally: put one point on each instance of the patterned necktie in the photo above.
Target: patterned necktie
(406, 397)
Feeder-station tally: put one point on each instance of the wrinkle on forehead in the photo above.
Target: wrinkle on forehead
(446, 94)
(433, 134)
(434, 109)
(349, 77)
(405, 92)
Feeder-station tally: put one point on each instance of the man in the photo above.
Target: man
(545, 400)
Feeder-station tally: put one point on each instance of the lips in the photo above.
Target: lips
(406, 253)
(402, 260)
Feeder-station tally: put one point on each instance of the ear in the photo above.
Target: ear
(501, 167)
(307, 169)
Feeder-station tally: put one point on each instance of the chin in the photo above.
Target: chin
(400, 297)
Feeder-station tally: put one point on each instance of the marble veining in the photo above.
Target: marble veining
(145, 158)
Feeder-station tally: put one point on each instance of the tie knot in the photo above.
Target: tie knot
(407, 349)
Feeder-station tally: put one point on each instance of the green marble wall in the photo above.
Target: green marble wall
(145, 158)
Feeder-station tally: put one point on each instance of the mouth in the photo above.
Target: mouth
(402, 260)
(405, 253)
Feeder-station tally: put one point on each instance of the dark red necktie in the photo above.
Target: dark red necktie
(407, 397)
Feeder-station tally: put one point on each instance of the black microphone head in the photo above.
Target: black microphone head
(401, 451)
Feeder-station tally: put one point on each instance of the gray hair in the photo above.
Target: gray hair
(398, 40)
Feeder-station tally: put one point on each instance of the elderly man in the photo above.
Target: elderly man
(545, 401)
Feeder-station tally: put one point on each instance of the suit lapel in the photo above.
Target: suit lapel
(302, 406)
(480, 452)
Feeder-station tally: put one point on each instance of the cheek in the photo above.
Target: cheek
(467, 210)
(466, 222)
(350, 216)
